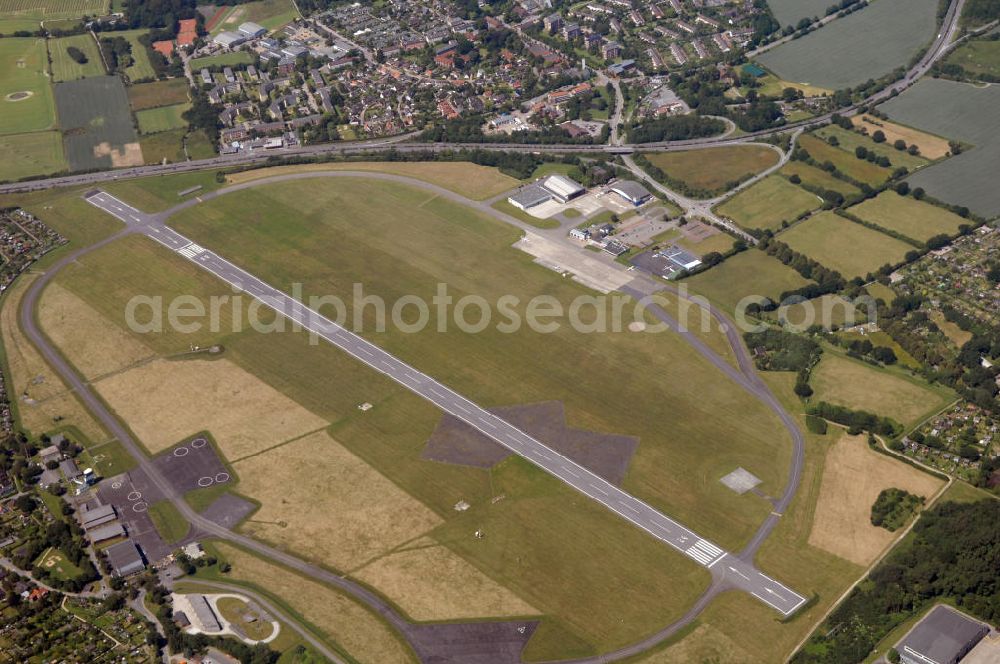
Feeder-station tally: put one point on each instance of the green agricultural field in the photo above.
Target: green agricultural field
(65, 68)
(846, 382)
(226, 59)
(790, 12)
(816, 177)
(141, 68)
(904, 214)
(843, 245)
(167, 145)
(768, 203)
(96, 123)
(849, 140)
(37, 153)
(848, 164)
(717, 169)
(25, 95)
(160, 93)
(164, 118)
(271, 14)
(978, 57)
(49, 10)
(849, 51)
(966, 113)
(749, 273)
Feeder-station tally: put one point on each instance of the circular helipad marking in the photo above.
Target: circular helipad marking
(116, 485)
(181, 451)
(206, 481)
(140, 507)
(222, 477)
(199, 443)
(134, 496)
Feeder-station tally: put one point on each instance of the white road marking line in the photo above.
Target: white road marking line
(599, 490)
(570, 471)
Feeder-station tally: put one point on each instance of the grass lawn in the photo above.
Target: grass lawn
(164, 118)
(849, 51)
(772, 86)
(168, 521)
(840, 380)
(978, 57)
(817, 177)
(35, 153)
(503, 205)
(199, 146)
(23, 65)
(65, 68)
(826, 310)
(719, 242)
(905, 214)
(748, 273)
(880, 338)
(843, 245)
(768, 203)
(141, 68)
(155, 194)
(470, 180)
(167, 145)
(235, 611)
(714, 170)
(234, 58)
(880, 291)
(854, 168)
(160, 93)
(111, 459)
(850, 140)
(55, 563)
(550, 168)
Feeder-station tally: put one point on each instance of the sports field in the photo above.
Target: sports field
(65, 68)
(768, 203)
(966, 113)
(843, 245)
(850, 140)
(96, 123)
(271, 14)
(160, 93)
(931, 146)
(857, 169)
(846, 382)
(714, 170)
(906, 215)
(164, 118)
(816, 177)
(55, 563)
(978, 57)
(849, 51)
(25, 95)
(35, 153)
(748, 273)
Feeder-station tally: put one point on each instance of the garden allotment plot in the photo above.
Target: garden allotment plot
(966, 113)
(867, 44)
(96, 123)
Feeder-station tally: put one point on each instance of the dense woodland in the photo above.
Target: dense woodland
(953, 554)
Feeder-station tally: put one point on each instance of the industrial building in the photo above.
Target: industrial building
(97, 516)
(631, 191)
(229, 39)
(124, 558)
(206, 617)
(530, 196)
(106, 532)
(251, 30)
(944, 636)
(562, 188)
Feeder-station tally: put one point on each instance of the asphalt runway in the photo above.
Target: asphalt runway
(737, 572)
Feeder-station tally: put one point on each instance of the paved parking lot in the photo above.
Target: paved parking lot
(193, 464)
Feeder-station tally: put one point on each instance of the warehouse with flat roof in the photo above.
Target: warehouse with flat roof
(562, 188)
(124, 558)
(229, 39)
(631, 191)
(252, 30)
(529, 196)
(97, 516)
(944, 636)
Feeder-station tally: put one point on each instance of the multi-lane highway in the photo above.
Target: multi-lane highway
(738, 572)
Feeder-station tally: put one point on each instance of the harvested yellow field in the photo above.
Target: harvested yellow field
(48, 403)
(471, 180)
(931, 146)
(334, 508)
(166, 401)
(343, 621)
(704, 644)
(430, 582)
(955, 334)
(853, 476)
(94, 345)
